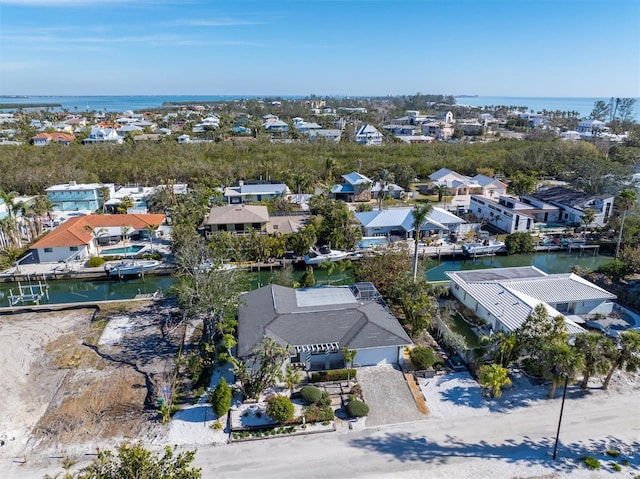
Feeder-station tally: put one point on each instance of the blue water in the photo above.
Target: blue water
(583, 105)
(127, 250)
(120, 103)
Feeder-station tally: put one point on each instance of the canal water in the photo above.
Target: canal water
(92, 290)
(551, 263)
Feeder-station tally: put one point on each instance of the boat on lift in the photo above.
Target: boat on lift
(317, 256)
(136, 267)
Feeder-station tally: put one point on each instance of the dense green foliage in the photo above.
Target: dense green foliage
(357, 408)
(133, 461)
(494, 377)
(221, 397)
(95, 261)
(311, 394)
(520, 242)
(333, 375)
(280, 408)
(423, 357)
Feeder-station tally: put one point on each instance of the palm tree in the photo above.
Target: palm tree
(384, 179)
(105, 195)
(494, 377)
(41, 207)
(126, 203)
(503, 347)
(330, 266)
(124, 232)
(291, 377)
(151, 229)
(626, 200)
(349, 355)
(597, 350)
(626, 356)
(420, 214)
(588, 217)
(561, 362)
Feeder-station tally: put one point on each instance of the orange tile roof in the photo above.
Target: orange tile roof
(56, 136)
(73, 232)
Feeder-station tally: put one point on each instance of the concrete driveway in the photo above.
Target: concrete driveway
(388, 396)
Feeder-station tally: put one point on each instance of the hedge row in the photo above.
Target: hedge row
(333, 375)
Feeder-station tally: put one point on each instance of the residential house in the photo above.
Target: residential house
(79, 237)
(505, 213)
(306, 126)
(138, 194)
(438, 129)
(368, 135)
(460, 187)
(331, 135)
(391, 190)
(237, 219)
(43, 139)
(316, 323)
(79, 197)
(99, 134)
(591, 126)
(505, 297)
(356, 187)
(245, 192)
(399, 222)
(573, 204)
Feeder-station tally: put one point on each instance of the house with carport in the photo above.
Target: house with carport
(505, 297)
(316, 323)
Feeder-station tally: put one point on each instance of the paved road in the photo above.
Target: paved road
(494, 446)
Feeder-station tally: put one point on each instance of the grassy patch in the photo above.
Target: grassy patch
(591, 462)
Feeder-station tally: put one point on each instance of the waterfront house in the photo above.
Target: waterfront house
(246, 192)
(72, 196)
(316, 323)
(460, 187)
(138, 195)
(399, 222)
(99, 134)
(355, 187)
(505, 213)
(573, 204)
(591, 126)
(78, 237)
(505, 297)
(237, 219)
(368, 135)
(331, 135)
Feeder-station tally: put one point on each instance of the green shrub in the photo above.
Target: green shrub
(423, 357)
(591, 462)
(95, 261)
(615, 269)
(625, 462)
(315, 413)
(615, 467)
(357, 409)
(220, 398)
(613, 453)
(311, 394)
(520, 242)
(325, 400)
(333, 375)
(280, 408)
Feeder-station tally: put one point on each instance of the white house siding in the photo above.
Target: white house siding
(584, 307)
(506, 219)
(56, 255)
(378, 356)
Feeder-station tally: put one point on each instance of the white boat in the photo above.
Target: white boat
(484, 247)
(132, 267)
(324, 254)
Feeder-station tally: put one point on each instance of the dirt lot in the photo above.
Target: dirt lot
(83, 378)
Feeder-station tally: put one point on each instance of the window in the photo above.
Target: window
(257, 226)
(239, 227)
(48, 250)
(73, 248)
(562, 307)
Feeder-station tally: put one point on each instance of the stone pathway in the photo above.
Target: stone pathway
(388, 396)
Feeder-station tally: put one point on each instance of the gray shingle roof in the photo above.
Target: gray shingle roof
(223, 215)
(292, 317)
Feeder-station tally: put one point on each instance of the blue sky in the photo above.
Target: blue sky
(324, 47)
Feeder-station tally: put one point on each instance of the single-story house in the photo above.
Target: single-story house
(253, 192)
(316, 323)
(43, 139)
(78, 237)
(505, 297)
(391, 190)
(237, 219)
(399, 222)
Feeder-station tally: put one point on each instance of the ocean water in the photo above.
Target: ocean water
(583, 105)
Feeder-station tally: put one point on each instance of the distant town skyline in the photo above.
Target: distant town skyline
(532, 48)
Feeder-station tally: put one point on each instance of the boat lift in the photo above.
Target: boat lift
(29, 293)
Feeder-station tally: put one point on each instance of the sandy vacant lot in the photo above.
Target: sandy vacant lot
(79, 379)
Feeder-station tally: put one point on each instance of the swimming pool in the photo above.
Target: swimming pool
(133, 249)
(371, 241)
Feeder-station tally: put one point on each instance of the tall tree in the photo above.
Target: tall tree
(261, 368)
(420, 214)
(627, 199)
(560, 362)
(628, 356)
(384, 180)
(596, 350)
